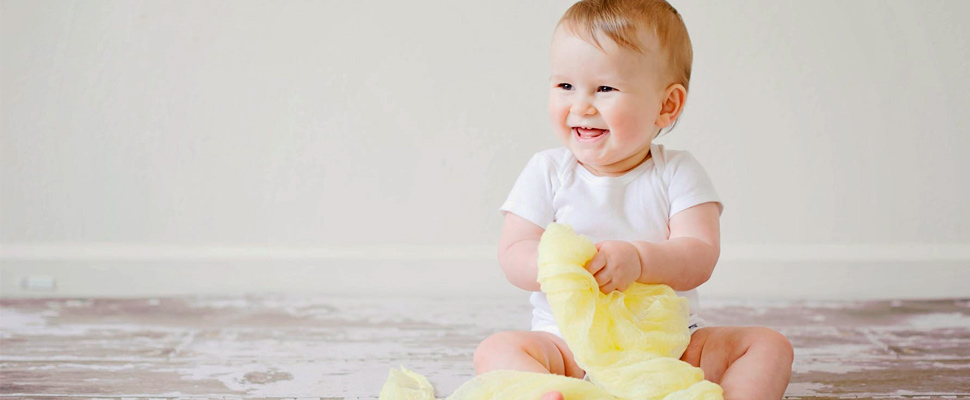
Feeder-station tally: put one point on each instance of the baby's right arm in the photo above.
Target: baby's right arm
(518, 251)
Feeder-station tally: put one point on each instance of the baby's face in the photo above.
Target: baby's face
(604, 105)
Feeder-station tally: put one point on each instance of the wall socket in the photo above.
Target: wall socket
(38, 283)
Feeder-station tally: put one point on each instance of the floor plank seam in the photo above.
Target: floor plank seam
(183, 345)
(872, 337)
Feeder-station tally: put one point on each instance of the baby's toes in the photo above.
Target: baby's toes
(552, 396)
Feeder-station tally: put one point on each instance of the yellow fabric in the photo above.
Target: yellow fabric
(404, 384)
(629, 343)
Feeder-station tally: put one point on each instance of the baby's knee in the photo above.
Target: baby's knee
(494, 348)
(499, 349)
(774, 342)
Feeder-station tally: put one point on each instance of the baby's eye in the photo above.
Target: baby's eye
(605, 89)
(565, 86)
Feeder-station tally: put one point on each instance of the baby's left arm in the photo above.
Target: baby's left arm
(687, 258)
(684, 261)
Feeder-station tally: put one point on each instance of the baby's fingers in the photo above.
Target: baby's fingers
(596, 264)
(602, 278)
(608, 286)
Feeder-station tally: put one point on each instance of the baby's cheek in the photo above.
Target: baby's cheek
(557, 109)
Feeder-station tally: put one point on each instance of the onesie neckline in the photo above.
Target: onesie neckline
(617, 180)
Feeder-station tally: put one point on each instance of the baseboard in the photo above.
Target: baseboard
(817, 272)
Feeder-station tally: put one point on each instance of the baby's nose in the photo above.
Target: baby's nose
(582, 108)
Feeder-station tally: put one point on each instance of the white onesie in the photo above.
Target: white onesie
(637, 205)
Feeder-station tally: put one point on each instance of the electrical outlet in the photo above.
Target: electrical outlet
(38, 283)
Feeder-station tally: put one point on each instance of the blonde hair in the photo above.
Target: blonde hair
(621, 20)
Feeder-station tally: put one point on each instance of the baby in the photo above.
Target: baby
(620, 73)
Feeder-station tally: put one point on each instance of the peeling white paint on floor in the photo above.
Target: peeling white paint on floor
(341, 347)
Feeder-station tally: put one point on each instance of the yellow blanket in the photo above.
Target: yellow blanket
(629, 343)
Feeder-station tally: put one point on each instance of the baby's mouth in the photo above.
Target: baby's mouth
(589, 133)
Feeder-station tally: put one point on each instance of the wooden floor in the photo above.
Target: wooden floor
(336, 348)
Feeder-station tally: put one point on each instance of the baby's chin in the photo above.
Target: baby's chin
(603, 163)
(590, 154)
(591, 161)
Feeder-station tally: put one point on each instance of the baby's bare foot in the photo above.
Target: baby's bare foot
(552, 396)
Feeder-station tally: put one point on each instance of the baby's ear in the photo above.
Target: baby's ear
(673, 104)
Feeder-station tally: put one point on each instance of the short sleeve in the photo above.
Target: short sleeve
(531, 196)
(688, 183)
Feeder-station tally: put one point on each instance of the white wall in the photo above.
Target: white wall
(158, 147)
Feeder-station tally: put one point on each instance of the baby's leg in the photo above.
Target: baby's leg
(526, 351)
(748, 362)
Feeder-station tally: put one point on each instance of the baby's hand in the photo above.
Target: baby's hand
(615, 266)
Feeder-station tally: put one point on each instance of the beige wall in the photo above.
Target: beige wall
(144, 141)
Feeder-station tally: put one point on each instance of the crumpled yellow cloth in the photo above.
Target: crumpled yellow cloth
(629, 343)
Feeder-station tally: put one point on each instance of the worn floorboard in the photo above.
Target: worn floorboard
(279, 347)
